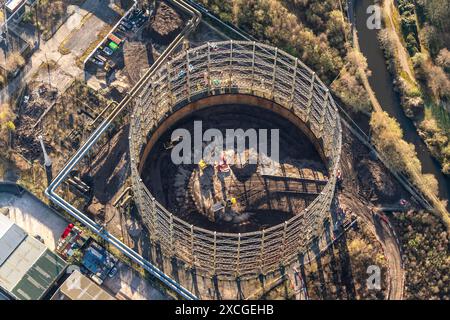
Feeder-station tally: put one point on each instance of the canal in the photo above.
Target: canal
(382, 85)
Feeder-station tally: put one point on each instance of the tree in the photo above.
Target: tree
(348, 85)
(6, 124)
(14, 61)
(443, 59)
(388, 138)
(337, 30)
(434, 76)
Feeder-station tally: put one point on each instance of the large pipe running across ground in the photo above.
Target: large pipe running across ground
(98, 229)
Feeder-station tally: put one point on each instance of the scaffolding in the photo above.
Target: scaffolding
(235, 67)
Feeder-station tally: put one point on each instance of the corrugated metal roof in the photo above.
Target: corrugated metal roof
(40, 277)
(20, 261)
(5, 224)
(10, 241)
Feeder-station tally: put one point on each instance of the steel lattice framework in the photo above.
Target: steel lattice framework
(246, 68)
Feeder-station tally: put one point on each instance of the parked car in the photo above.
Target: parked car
(122, 28)
(113, 46)
(108, 51)
(97, 62)
(113, 272)
(140, 21)
(126, 25)
(115, 39)
(98, 56)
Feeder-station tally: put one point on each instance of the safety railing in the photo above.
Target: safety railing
(250, 68)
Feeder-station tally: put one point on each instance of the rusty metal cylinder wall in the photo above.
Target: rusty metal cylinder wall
(245, 68)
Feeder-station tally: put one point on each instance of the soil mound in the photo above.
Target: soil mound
(165, 24)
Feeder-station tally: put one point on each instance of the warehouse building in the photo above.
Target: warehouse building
(79, 287)
(28, 269)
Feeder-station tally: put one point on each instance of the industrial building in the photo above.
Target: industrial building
(28, 269)
(79, 287)
(17, 8)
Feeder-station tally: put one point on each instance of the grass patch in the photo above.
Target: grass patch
(438, 113)
(94, 44)
(62, 47)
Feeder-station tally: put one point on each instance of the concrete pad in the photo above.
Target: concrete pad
(34, 217)
(128, 284)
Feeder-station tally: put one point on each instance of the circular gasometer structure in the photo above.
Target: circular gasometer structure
(239, 220)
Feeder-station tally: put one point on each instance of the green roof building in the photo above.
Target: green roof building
(29, 269)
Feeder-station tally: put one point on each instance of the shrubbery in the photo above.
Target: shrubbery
(311, 30)
(314, 31)
(409, 27)
(425, 247)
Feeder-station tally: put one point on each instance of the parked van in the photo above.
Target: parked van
(100, 57)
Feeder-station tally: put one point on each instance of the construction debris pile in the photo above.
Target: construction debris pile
(32, 107)
(165, 24)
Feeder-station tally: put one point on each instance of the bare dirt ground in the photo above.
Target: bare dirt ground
(362, 193)
(128, 284)
(402, 53)
(165, 24)
(41, 97)
(109, 168)
(138, 57)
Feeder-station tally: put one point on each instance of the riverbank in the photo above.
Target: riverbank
(432, 124)
(381, 83)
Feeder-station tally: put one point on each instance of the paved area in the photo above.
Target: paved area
(34, 217)
(100, 16)
(38, 219)
(128, 284)
(91, 14)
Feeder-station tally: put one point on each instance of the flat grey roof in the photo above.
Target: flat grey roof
(10, 240)
(80, 287)
(5, 223)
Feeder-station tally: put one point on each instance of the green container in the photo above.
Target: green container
(113, 46)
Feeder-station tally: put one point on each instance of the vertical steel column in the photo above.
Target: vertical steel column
(169, 85)
(188, 76)
(310, 98)
(261, 256)
(238, 255)
(215, 252)
(208, 72)
(301, 239)
(172, 247)
(324, 112)
(231, 64)
(154, 217)
(192, 246)
(294, 78)
(274, 73)
(154, 112)
(253, 65)
(283, 252)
